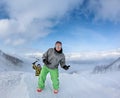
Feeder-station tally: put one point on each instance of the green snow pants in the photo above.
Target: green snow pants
(54, 77)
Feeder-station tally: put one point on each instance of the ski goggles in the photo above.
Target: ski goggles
(58, 46)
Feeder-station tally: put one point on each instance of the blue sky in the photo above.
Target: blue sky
(81, 25)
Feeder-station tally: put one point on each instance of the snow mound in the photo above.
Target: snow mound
(84, 85)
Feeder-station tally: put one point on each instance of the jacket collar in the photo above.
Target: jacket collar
(61, 51)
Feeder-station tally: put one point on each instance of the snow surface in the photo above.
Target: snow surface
(16, 84)
(19, 81)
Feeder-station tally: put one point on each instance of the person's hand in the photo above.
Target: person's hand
(66, 67)
(46, 62)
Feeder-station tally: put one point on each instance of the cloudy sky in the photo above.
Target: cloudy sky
(81, 25)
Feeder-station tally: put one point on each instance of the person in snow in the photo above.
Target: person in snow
(51, 59)
(37, 68)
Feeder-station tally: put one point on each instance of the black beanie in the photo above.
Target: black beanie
(58, 42)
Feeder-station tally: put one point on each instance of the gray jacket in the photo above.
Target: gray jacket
(54, 58)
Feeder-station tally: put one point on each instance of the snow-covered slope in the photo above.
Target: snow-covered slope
(84, 85)
(113, 66)
(12, 63)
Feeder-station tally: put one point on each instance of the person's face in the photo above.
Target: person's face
(58, 46)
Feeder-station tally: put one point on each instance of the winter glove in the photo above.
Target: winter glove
(46, 62)
(34, 62)
(66, 67)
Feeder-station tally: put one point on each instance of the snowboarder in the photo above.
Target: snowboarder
(37, 68)
(51, 59)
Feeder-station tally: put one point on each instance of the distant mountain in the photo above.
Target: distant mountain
(10, 58)
(114, 65)
(9, 62)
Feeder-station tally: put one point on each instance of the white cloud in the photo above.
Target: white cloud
(30, 19)
(94, 55)
(84, 57)
(105, 10)
(15, 42)
(7, 27)
(4, 27)
(35, 54)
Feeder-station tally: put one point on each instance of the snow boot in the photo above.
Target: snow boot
(55, 91)
(39, 90)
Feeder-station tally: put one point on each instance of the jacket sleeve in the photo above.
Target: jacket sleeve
(62, 61)
(45, 55)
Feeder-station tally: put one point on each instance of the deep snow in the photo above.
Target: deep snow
(82, 85)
